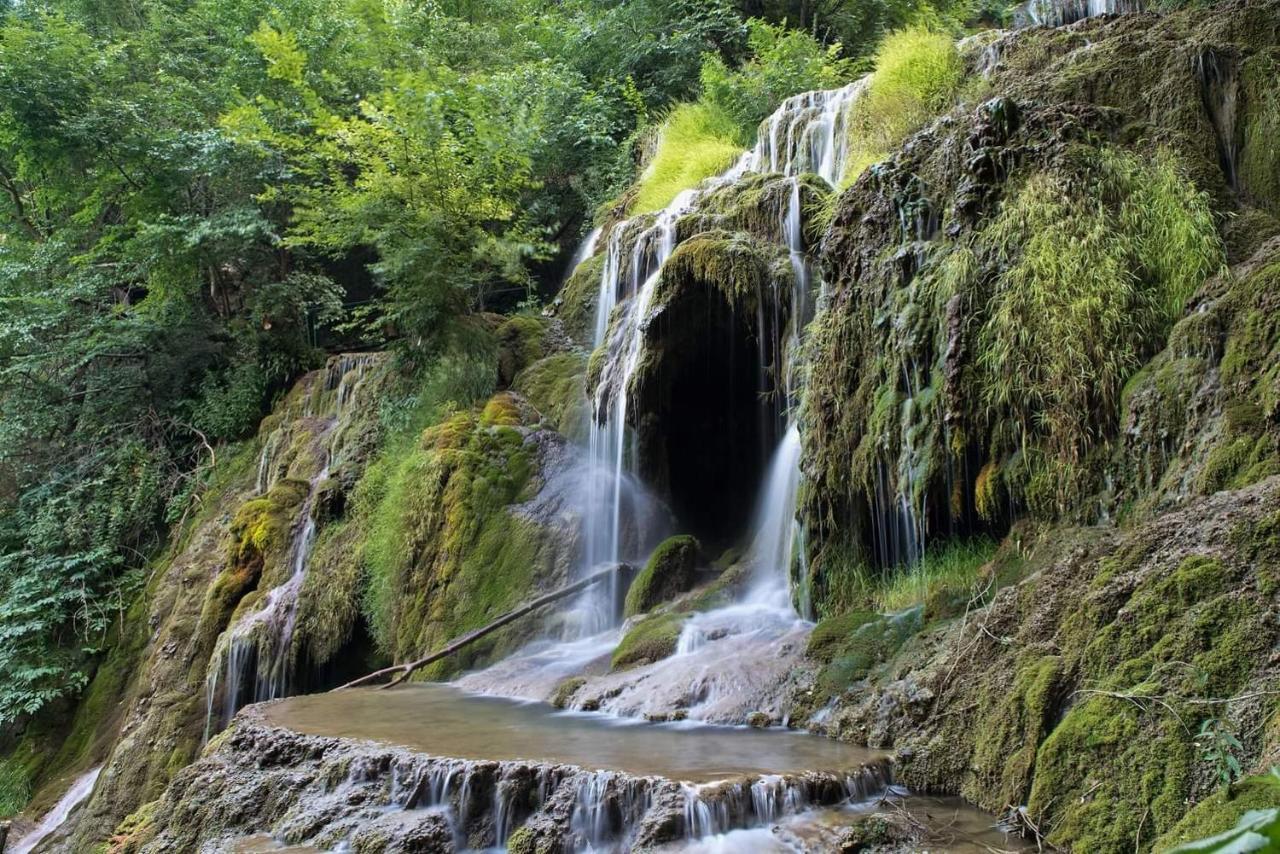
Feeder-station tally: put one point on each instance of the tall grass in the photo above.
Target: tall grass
(15, 790)
(917, 73)
(697, 141)
(949, 570)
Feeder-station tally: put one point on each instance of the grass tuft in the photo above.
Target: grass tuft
(697, 141)
(947, 572)
(918, 72)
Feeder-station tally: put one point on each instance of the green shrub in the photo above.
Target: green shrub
(784, 63)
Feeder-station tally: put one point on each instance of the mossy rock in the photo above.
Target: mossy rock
(1222, 810)
(651, 639)
(556, 388)
(565, 689)
(830, 635)
(521, 342)
(670, 571)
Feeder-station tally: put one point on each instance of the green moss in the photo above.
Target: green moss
(1119, 768)
(719, 593)
(521, 342)
(563, 694)
(261, 526)
(502, 410)
(1223, 809)
(329, 601)
(651, 639)
(556, 387)
(443, 552)
(855, 644)
(576, 303)
(742, 269)
(1108, 772)
(1015, 723)
(829, 636)
(670, 571)
(1238, 463)
(1259, 166)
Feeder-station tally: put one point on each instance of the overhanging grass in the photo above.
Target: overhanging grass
(917, 74)
(948, 571)
(697, 141)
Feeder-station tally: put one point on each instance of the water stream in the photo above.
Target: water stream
(54, 818)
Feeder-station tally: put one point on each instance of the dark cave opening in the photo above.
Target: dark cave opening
(706, 419)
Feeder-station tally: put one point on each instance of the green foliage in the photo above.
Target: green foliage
(783, 62)
(917, 73)
(1143, 239)
(696, 142)
(1220, 748)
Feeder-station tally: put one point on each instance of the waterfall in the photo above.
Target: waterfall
(254, 660)
(1059, 13)
(806, 135)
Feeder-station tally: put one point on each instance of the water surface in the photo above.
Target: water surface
(441, 720)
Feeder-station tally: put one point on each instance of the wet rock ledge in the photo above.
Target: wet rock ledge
(258, 778)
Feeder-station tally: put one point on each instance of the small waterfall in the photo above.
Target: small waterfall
(808, 133)
(254, 660)
(54, 818)
(714, 809)
(1059, 13)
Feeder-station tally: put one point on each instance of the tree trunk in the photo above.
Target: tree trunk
(406, 670)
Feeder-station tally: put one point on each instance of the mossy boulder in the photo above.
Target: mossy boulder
(522, 340)
(651, 639)
(670, 571)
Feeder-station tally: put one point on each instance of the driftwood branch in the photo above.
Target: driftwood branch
(406, 670)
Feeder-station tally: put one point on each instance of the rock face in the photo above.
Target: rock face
(1078, 691)
(324, 791)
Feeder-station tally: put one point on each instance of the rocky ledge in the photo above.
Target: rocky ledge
(260, 779)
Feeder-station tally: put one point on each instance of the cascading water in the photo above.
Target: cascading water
(254, 658)
(808, 133)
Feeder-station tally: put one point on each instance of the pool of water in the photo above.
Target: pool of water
(441, 720)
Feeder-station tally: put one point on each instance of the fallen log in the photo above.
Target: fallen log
(406, 670)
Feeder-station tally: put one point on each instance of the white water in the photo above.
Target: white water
(808, 133)
(80, 789)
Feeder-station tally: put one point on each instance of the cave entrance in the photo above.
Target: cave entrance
(705, 415)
